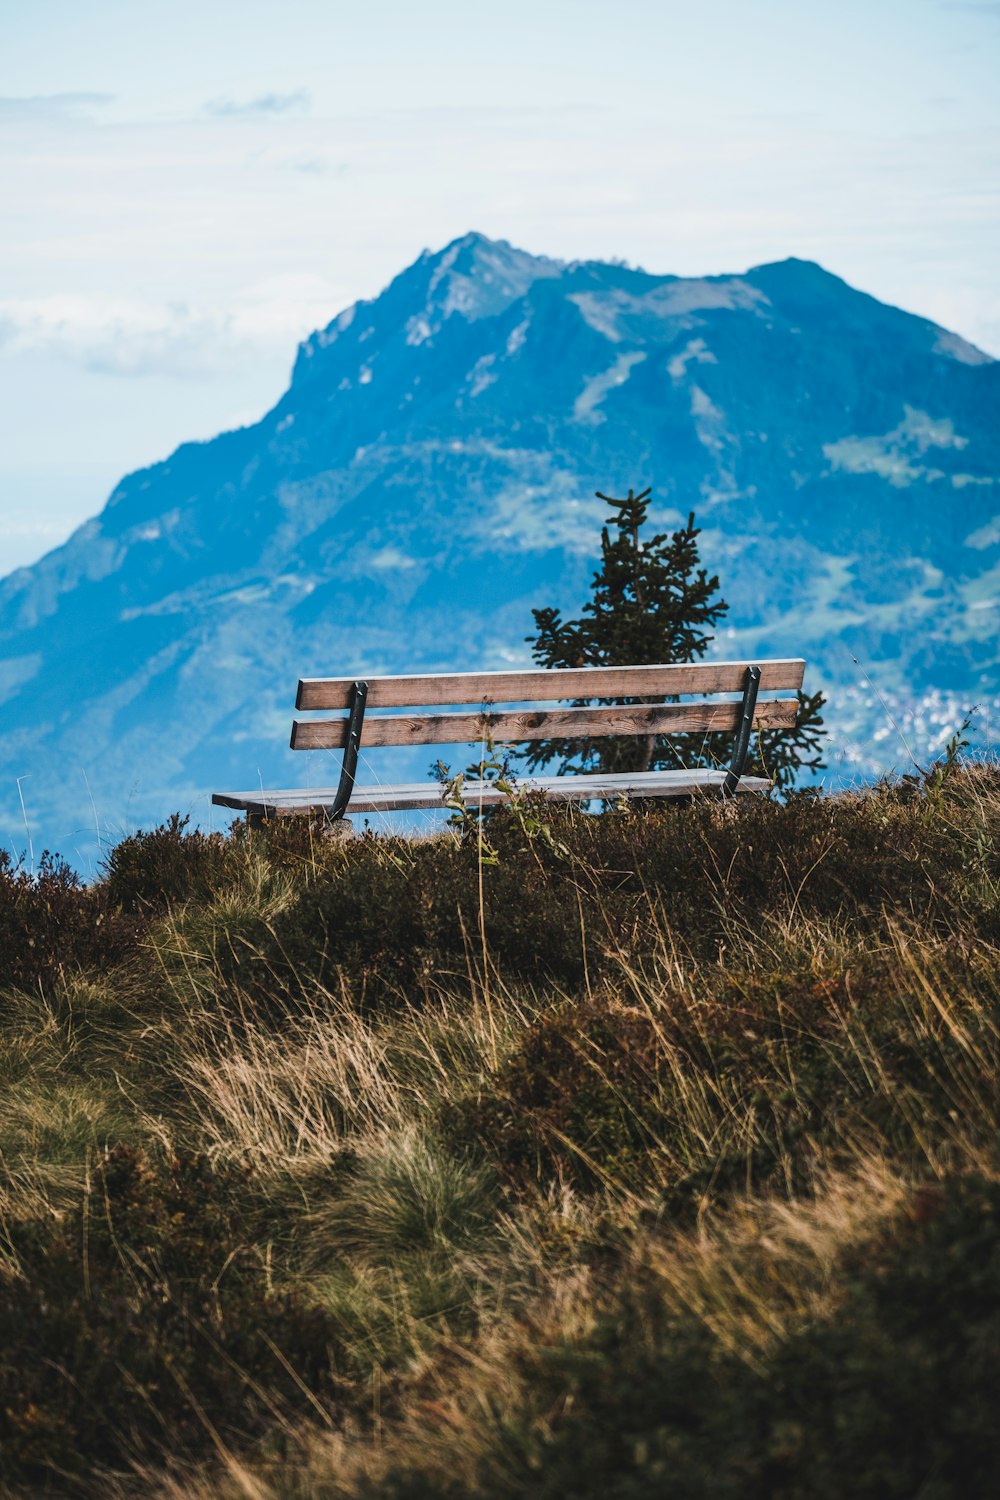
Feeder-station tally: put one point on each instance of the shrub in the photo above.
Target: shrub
(150, 871)
(581, 1098)
(134, 1326)
(747, 1081)
(391, 917)
(52, 925)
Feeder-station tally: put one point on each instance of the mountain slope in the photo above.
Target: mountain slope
(428, 477)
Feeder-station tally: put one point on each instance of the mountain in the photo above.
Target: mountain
(428, 476)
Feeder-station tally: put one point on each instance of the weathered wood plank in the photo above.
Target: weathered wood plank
(426, 795)
(532, 686)
(306, 797)
(540, 724)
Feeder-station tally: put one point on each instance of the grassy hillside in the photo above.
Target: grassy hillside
(647, 1154)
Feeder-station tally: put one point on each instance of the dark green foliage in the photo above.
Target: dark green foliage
(150, 871)
(391, 917)
(894, 1396)
(783, 754)
(581, 1098)
(139, 1322)
(898, 1392)
(391, 932)
(50, 925)
(653, 602)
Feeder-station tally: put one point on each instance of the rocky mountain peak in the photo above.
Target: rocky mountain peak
(429, 476)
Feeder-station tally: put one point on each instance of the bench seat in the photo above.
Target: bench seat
(417, 795)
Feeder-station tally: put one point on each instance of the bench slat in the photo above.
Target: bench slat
(548, 685)
(418, 795)
(541, 724)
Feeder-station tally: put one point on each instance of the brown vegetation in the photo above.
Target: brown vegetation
(689, 1186)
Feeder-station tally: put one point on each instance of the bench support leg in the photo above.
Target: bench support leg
(359, 697)
(743, 733)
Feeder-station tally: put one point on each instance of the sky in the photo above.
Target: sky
(190, 188)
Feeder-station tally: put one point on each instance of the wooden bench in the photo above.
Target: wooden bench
(650, 715)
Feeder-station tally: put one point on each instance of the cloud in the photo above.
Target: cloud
(50, 106)
(18, 528)
(318, 166)
(129, 336)
(264, 104)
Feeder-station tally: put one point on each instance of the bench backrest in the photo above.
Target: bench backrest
(455, 689)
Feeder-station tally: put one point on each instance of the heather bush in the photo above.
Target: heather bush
(149, 871)
(51, 925)
(392, 918)
(744, 1082)
(141, 1323)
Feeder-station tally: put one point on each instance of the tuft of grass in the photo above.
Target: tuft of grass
(406, 1196)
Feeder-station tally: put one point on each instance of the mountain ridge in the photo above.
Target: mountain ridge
(428, 475)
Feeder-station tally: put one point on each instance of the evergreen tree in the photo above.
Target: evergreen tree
(652, 601)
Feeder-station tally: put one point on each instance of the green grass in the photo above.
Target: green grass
(656, 1157)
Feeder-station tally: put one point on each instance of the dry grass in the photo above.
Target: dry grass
(497, 1182)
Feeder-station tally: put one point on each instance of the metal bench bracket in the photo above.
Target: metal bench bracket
(359, 697)
(743, 732)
